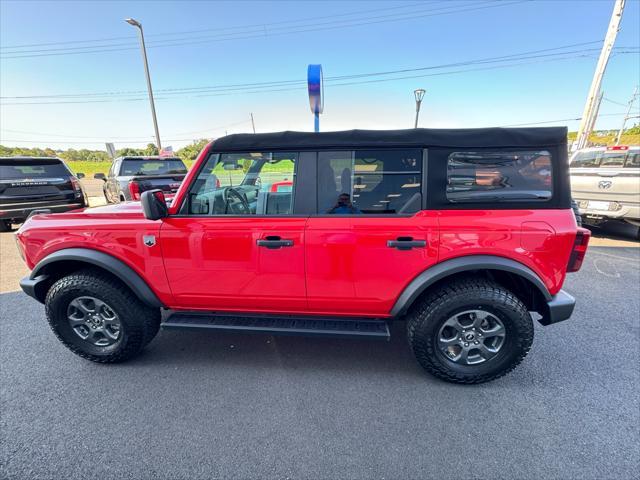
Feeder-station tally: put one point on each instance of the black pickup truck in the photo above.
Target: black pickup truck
(30, 183)
(128, 177)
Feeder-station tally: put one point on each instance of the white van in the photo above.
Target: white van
(605, 182)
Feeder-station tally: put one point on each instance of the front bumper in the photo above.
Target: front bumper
(35, 287)
(559, 308)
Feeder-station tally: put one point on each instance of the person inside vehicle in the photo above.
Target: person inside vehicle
(344, 206)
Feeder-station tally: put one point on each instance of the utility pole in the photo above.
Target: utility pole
(419, 95)
(627, 115)
(594, 116)
(137, 24)
(252, 123)
(589, 108)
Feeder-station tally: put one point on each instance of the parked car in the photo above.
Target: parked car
(460, 234)
(128, 177)
(30, 183)
(605, 182)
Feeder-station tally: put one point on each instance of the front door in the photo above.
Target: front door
(235, 245)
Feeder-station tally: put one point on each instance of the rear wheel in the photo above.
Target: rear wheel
(99, 319)
(470, 331)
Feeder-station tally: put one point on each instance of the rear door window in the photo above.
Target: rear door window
(14, 170)
(484, 177)
(370, 182)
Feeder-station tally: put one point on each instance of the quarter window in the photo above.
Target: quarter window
(252, 183)
(499, 176)
(370, 182)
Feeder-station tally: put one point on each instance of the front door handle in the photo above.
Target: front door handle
(406, 243)
(273, 242)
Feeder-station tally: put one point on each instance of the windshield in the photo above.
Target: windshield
(20, 170)
(152, 166)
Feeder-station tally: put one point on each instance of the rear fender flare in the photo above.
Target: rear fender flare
(102, 260)
(461, 264)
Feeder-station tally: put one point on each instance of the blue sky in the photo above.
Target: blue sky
(231, 43)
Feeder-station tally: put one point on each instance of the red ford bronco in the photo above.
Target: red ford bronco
(462, 234)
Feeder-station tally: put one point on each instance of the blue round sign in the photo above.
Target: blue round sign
(316, 89)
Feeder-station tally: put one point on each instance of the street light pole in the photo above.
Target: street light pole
(135, 23)
(419, 95)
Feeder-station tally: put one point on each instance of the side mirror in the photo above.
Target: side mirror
(80, 175)
(154, 205)
(100, 176)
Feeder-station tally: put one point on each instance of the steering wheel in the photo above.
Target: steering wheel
(238, 206)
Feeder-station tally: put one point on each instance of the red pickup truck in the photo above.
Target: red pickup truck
(460, 234)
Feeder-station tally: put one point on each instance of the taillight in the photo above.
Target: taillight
(579, 250)
(76, 184)
(134, 188)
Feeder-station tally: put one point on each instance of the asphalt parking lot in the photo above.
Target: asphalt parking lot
(204, 405)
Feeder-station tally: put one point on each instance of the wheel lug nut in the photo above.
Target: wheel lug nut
(466, 344)
(476, 343)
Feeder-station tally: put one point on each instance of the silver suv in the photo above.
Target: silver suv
(605, 182)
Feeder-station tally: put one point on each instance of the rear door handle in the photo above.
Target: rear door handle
(406, 243)
(273, 242)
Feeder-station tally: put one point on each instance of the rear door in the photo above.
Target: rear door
(31, 183)
(370, 235)
(236, 245)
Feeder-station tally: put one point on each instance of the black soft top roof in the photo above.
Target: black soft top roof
(415, 137)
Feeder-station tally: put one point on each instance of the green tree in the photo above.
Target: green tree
(190, 152)
(151, 149)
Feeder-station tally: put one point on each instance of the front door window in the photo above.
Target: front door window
(252, 183)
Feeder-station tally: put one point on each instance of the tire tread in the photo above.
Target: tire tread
(422, 313)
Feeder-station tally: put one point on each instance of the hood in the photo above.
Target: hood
(89, 217)
(116, 208)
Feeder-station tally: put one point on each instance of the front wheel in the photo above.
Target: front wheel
(470, 331)
(5, 226)
(98, 318)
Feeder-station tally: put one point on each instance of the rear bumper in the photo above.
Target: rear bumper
(22, 213)
(35, 287)
(560, 308)
(626, 212)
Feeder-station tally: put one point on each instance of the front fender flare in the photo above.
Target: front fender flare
(99, 259)
(461, 264)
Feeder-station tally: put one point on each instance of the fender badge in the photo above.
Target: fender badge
(149, 240)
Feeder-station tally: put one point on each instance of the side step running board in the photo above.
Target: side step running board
(308, 326)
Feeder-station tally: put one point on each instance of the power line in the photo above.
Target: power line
(262, 34)
(555, 121)
(190, 139)
(269, 85)
(133, 37)
(302, 85)
(327, 79)
(100, 138)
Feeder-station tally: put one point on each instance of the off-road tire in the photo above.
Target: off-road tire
(139, 323)
(429, 314)
(5, 226)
